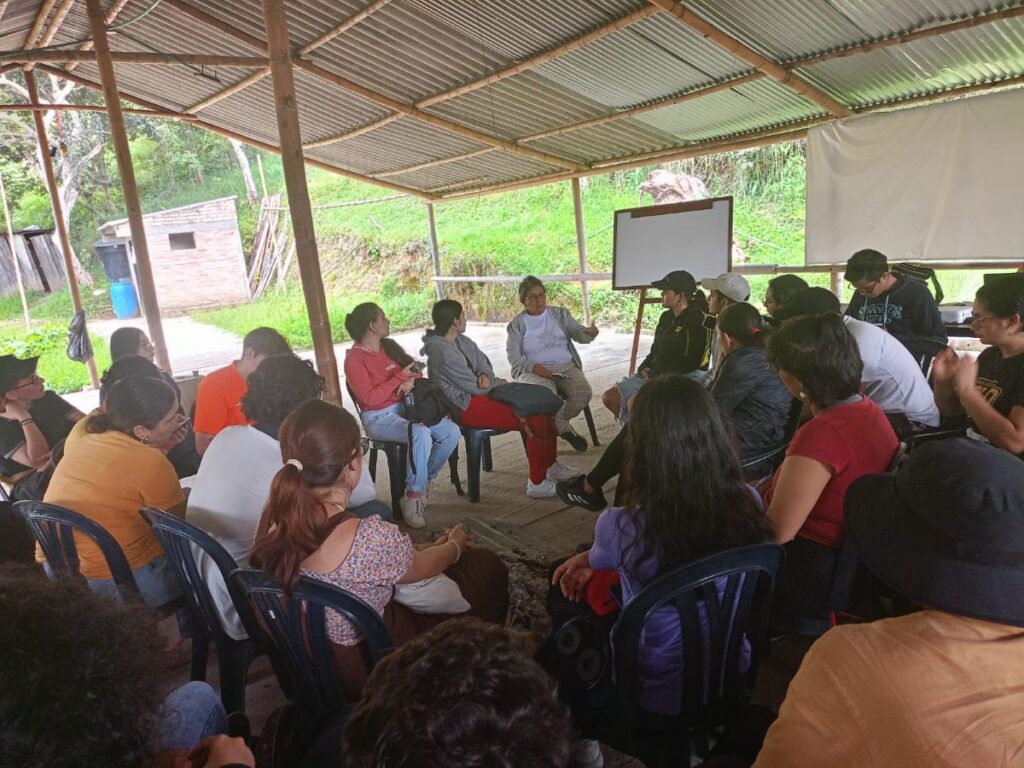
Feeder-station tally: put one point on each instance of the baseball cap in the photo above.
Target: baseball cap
(13, 370)
(679, 281)
(728, 284)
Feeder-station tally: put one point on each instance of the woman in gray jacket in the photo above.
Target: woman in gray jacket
(465, 374)
(541, 351)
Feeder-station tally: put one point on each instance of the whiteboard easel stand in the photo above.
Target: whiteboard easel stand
(644, 300)
(14, 255)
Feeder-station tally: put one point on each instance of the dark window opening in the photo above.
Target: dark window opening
(182, 241)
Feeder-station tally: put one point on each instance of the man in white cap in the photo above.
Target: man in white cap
(728, 288)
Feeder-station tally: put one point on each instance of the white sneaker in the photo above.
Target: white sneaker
(544, 490)
(560, 473)
(412, 511)
(586, 753)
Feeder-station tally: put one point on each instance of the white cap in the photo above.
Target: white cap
(728, 284)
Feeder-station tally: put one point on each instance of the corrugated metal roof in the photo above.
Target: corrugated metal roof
(409, 50)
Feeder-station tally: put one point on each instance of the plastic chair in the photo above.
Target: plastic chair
(773, 456)
(294, 629)
(54, 527)
(714, 690)
(178, 539)
(589, 416)
(478, 453)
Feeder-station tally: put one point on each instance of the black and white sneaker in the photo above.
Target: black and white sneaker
(571, 492)
(578, 442)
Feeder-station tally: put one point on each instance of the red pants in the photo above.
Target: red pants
(541, 450)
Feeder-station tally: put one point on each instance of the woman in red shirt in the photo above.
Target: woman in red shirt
(848, 436)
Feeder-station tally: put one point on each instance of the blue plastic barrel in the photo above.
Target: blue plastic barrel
(124, 300)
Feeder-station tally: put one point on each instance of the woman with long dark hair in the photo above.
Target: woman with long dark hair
(465, 374)
(113, 468)
(379, 373)
(686, 499)
(848, 436)
(781, 290)
(306, 529)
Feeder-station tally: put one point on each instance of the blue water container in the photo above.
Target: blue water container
(124, 300)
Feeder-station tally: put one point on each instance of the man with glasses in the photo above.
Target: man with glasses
(900, 305)
(233, 483)
(34, 418)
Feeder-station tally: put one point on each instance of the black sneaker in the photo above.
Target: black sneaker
(578, 443)
(571, 492)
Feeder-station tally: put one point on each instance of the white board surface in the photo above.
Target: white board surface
(650, 242)
(941, 182)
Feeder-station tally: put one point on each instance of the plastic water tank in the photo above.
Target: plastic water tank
(114, 257)
(123, 298)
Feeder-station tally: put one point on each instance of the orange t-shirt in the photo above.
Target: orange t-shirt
(219, 401)
(108, 478)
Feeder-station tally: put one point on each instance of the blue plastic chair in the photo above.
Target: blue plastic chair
(178, 539)
(54, 527)
(691, 590)
(293, 629)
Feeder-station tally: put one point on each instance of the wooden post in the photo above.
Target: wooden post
(581, 246)
(123, 153)
(14, 255)
(58, 211)
(292, 162)
(435, 251)
(836, 279)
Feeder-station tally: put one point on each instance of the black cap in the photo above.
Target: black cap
(810, 301)
(13, 370)
(947, 529)
(679, 281)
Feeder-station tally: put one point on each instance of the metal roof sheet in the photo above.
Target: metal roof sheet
(485, 170)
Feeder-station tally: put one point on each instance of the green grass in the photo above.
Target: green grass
(49, 342)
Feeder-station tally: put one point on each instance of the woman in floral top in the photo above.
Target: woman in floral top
(306, 530)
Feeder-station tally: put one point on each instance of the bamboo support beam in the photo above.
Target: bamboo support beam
(907, 37)
(346, 25)
(434, 163)
(540, 58)
(380, 123)
(581, 246)
(227, 133)
(93, 108)
(279, 48)
(435, 250)
(377, 98)
(133, 207)
(55, 23)
(112, 13)
(745, 53)
(231, 90)
(58, 211)
(14, 255)
(40, 20)
(3, 8)
(136, 57)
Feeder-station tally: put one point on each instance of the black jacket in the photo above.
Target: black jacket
(681, 344)
(907, 310)
(753, 397)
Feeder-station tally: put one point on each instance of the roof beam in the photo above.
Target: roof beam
(228, 133)
(37, 25)
(108, 18)
(325, 38)
(58, 19)
(137, 57)
(92, 108)
(372, 126)
(377, 98)
(744, 52)
(434, 163)
(3, 8)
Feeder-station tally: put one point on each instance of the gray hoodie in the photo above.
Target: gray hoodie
(455, 367)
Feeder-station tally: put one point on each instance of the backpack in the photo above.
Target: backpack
(526, 399)
(426, 403)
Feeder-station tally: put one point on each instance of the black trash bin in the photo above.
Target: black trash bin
(115, 260)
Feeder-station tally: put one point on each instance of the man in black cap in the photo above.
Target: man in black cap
(681, 342)
(943, 686)
(34, 419)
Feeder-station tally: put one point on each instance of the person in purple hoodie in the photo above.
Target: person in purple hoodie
(686, 500)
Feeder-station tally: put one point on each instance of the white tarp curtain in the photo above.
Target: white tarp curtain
(939, 182)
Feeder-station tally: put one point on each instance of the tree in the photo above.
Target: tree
(243, 164)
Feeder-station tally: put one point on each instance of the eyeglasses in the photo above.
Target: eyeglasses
(980, 318)
(30, 383)
(537, 295)
(868, 289)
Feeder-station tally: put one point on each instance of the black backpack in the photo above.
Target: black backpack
(426, 403)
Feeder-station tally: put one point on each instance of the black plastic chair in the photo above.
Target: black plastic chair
(478, 454)
(708, 701)
(233, 656)
(589, 416)
(772, 457)
(294, 630)
(53, 527)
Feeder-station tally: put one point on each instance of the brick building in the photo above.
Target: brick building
(196, 254)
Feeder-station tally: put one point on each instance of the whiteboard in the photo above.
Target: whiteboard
(653, 241)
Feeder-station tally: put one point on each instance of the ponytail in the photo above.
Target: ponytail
(742, 322)
(394, 350)
(444, 314)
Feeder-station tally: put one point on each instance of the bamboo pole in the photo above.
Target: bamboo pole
(136, 57)
(37, 25)
(112, 13)
(14, 256)
(230, 91)
(249, 140)
(739, 50)
(3, 8)
(581, 246)
(123, 154)
(371, 95)
(433, 163)
(279, 49)
(435, 250)
(372, 126)
(92, 108)
(58, 211)
(346, 25)
(55, 24)
(540, 58)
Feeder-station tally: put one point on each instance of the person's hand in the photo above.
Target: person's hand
(573, 575)
(944, 365)
(407, 371)
(592, 330)
(17, 410)
(220, 750)
(483, 381)
(965, 376)
(542, 371)
(405, 387)
(459, 536)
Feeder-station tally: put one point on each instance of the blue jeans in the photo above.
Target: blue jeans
(156, 581)
(430, 449)
(188, 715)
(371, 508)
